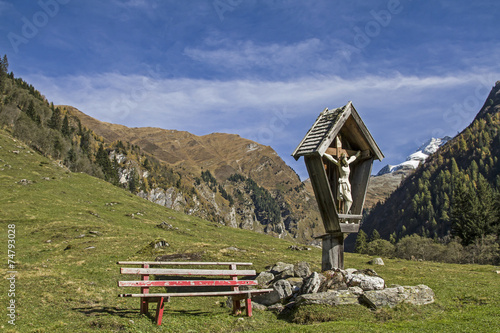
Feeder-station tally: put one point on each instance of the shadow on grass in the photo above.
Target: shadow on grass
(102, 310)
(187, 312)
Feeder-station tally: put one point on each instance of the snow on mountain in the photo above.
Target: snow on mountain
(418, 157)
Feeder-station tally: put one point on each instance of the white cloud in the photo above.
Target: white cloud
(400, 111)
(281, 59)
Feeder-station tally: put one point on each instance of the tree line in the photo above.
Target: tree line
(455, 193)
(484, 249)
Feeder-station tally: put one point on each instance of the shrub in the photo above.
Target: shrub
(380, 247)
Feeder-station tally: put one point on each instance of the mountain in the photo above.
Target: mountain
(418, 157)
(390, 177)
(233, 180)
(462, 175)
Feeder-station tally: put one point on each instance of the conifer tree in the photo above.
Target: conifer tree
(55, 120)
(375, 235)
(361, 242)
(473, 211)
(4, 67)
(30, 112)
(65, 126)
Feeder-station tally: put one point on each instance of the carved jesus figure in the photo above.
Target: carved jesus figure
(344, 188)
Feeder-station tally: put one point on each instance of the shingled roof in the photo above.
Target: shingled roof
(329, 124)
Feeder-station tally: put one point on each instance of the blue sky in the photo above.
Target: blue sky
(262, 69)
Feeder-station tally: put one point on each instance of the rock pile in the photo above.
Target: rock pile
(296, 285)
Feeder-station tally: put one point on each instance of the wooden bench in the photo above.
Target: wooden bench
(184, 278)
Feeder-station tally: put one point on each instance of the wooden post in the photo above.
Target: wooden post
(236, 303)
(144, 290)
(159, 310)
(333, 251)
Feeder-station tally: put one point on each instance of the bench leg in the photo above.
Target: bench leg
(144, 305)
(159, 310)
(248, 307)
(236, 306)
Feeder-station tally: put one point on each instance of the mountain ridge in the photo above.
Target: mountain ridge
(424, 203)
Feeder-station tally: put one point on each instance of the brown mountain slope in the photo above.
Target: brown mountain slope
(223, 155)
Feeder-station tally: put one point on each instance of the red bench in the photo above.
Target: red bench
(183, 278)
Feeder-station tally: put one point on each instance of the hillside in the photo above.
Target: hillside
(453, 193)
(71, 229)
(219, 177)
(223, 155)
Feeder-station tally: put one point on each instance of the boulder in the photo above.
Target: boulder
(277, 308)
(282, 270)
(302, 269)
(416, 295)
(334, 298)
(264, 279)
(365, 282)
(335, 280)
(376, 261)
(312, 283)
(282, 291)
(296, 283)
(257, 306)
(356, 291)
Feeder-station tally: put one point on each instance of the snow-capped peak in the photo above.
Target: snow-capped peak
(418, 157)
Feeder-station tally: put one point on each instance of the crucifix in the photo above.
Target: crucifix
(339, 175)
(342, 161)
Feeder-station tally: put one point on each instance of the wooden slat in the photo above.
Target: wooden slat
(187, 283)
(186, 272)
(296, 153)
(350, 216)
(182, 263)
(349, 227)
(322, 192)
(373, 145)
(359, 185)
(202, 294)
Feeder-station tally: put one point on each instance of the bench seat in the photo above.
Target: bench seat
(183, 278)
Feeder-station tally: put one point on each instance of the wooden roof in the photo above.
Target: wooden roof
(329, 124)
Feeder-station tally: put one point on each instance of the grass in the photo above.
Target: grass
(66, 280)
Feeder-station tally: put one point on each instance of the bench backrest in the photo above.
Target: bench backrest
(145, 271)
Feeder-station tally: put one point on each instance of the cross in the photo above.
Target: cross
(338, 150)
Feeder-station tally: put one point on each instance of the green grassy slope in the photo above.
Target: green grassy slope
(66, 282)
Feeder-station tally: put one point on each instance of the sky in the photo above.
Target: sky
(262, 69)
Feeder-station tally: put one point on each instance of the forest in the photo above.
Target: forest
(453, 199)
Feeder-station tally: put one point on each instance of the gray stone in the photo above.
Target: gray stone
(258, 307)
(356, 291)
(334, 280)
(267, 299)
(264, 279)
(312, 283)
(416, 295)
(296, 283)
(282, 270)
(365, 282)
(367, 271)
(278, 308)
(376, 261)
(350, 271)
(302, 269)
(334, 298)
(284, 289)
